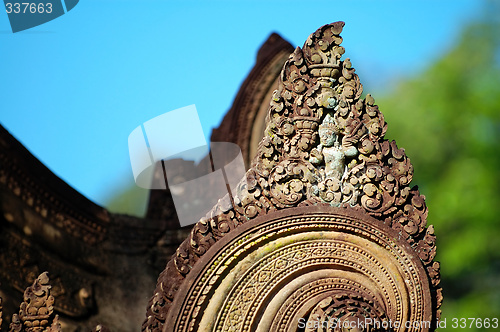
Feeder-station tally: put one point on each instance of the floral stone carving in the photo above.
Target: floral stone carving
(337, 230)
(36, 312)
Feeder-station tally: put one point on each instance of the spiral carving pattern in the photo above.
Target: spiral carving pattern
(305, 265)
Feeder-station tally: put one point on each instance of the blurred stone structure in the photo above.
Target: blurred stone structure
(323, 228)
(103, 266)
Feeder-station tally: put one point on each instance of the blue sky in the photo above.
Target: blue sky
(73, 89)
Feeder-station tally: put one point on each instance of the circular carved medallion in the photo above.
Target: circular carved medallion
(315, 268)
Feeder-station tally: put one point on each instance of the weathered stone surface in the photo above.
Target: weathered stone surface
(45, 225)
(352, 167)
(36, 312)
(303, 264)
(323, 226)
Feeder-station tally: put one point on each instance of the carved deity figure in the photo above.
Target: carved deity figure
(331, 152)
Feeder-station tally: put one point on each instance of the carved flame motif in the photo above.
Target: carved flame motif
(36, 312)
(324, 145)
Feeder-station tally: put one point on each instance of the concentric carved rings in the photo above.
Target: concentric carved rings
(290, 269)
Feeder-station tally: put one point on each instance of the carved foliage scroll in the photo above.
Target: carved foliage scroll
(309, 264)
(324, 145)
(36, 312)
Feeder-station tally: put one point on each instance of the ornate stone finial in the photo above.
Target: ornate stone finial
(325, 192)
(36, 312)
(15, 325)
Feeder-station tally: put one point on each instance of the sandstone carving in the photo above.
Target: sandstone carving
(36, 312)
(324, 224)
(324, 231)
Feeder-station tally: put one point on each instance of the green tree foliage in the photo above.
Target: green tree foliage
(132, 201)
(448, 120)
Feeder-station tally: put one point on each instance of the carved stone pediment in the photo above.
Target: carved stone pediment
(325, 213)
